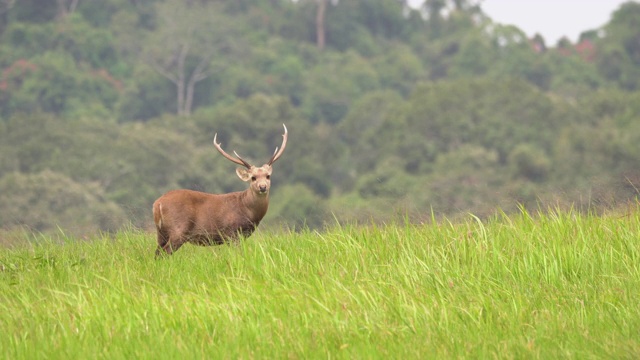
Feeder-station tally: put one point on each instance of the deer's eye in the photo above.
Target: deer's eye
(253, 178)
(268, 177)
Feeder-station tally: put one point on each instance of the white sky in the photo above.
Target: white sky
(553, 19)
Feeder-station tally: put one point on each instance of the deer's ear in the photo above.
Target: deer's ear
(243, 174)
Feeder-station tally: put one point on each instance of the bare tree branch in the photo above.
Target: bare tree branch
(194, 35)
(163, 72)
(199, 73)
(64, 9)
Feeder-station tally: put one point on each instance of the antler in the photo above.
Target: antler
(278, 153)
(238, 160)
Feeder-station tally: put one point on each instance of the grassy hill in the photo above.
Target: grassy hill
(553, 285)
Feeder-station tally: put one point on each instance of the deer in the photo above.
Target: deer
(200, 218)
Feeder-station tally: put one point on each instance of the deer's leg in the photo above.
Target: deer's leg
(163, 239)
(234, 240)
(172, 245)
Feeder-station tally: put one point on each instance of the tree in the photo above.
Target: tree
(433, 10)
(335, 83)
(320, 18)
(297, 206)
(372, 129)
(65, 7)
(46, 200)
(188, 37)
(439, 15)
(618, 55)
(52, 83)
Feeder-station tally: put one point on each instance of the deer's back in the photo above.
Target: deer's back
(196, 214)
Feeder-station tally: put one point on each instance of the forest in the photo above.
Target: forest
(393, 112)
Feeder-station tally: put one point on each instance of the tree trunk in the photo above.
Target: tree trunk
(198, 74)
(185, 88)
(320, 18)
(180, 83)
(64, 9)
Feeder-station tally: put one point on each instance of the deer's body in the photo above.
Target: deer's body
(200, 218)
(206, 219)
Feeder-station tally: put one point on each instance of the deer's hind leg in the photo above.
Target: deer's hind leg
(171, 246)
(163, 233)
(163, 239)
(168, 243)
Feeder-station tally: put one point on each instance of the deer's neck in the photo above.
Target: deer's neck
(255, 205)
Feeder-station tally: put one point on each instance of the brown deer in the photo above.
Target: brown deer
(200, 218)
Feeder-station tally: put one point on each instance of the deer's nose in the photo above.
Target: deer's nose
(263, 188)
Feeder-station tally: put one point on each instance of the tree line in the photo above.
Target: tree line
(392, 111)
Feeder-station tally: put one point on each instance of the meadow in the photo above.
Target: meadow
(559, 284)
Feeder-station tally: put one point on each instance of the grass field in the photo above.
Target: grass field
(558, 285)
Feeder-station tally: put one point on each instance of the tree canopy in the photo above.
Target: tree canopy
(104, 105)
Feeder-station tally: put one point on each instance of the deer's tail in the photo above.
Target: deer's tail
(157, 214)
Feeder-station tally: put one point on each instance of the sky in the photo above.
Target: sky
(553, 19)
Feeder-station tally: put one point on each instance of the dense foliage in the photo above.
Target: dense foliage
(104, 105)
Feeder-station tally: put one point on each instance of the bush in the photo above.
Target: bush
(47, 200)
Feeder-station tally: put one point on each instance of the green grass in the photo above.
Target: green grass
(559, 285)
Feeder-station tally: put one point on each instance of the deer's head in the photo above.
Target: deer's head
(259, 178)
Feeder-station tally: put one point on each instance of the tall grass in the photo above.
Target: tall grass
(555, 285)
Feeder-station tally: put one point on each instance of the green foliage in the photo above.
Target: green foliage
(529, 162)
(52, 82)
(298, 206)
(48, 201)
(619, 59)
(338, 80)
(474, 57)
(370, 126)
(148, 98)
(399, 68)
(404, 110)
(451, 190)
(497, 114)
(32, 11)
(73, 36)
(131, 164)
